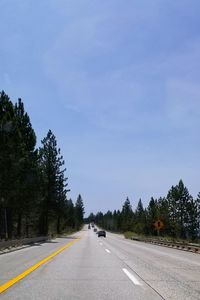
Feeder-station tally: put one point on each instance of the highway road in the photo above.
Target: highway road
(95, 268)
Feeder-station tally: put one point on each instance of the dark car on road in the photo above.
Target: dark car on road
(95, 230)
(101, 233)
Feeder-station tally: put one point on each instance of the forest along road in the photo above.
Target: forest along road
(100, 268)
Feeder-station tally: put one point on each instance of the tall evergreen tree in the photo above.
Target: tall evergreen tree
(140, 218)
(7, 179)
(198, 214)
(99, 219)
(91, 218)
(52, 186)
(25, 167)
(61, 200)
(116, 221)
(192, 226)
(126, 216)
(79, 212)
(179, 201)
(108, 220)
(70, 214)
(163, 214)
(152, 215)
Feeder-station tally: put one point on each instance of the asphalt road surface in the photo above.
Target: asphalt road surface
(95, 268)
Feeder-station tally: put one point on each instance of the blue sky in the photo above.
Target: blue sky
(118, 84)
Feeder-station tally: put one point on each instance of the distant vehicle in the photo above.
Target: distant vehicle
(89, 226)
(95, 230)
(101, 233)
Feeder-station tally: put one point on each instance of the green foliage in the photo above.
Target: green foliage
(179, 212)
(140, 220)
(180, 209)
(126, 216)
(128, 234)
(90, 218)
(17, 164)
(79, 212)
(33, 186)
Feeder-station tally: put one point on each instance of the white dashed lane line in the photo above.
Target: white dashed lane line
(108, 251)
(131, 277)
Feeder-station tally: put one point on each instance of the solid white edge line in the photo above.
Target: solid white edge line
(107, 250)
(131, 277)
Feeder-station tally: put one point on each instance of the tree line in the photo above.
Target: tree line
(33, 184)
(179, 213)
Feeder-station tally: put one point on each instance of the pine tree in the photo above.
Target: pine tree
(198, 213)
(152, 215)
(70, 214)
(79, 212)
(192, 226)
(179, 201)
(108, 220)
(116, 221)
(99, 219)
(126, 216)
(52, 186)
(25, 167)
(7, 136)
(163, 214)
(140, 218)
(91, 218)
(61, 199)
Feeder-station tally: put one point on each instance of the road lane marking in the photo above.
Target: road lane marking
(131, 277)
(14, 280)
(107, 250)
(100, 244)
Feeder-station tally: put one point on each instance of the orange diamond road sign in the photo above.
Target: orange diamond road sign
(158, 224)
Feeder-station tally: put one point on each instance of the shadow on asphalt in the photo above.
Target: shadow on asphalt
(39, 244)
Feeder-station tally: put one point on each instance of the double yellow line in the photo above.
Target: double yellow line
(14, 280)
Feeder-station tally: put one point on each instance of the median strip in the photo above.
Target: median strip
(14, 280)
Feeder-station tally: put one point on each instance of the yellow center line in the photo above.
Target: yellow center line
(14, 280)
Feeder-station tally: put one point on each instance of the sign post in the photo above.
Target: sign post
(158, 224)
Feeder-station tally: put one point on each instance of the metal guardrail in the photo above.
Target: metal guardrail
(17, 243)
(175, 245)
